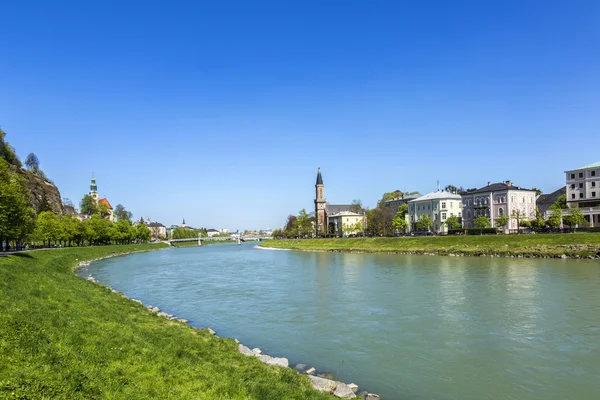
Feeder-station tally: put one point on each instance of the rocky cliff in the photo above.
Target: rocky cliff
(44, 194)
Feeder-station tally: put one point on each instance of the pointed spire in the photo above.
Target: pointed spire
(183, 223)
(319, 177)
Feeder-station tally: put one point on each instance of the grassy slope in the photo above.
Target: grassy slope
(527, 245)
(62, 337)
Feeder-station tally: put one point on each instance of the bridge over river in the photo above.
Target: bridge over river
(221, 239)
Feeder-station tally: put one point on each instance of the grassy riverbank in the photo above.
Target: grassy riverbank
(62, 337)
(546, 245)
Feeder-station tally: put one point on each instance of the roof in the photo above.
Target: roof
(155, 225)
(212, 230)
(345, 214)
(440, 194)
(551, 197)
(593, 165)
(404, 198)
(337, 208)
(105, 201)
(496, 187)
(319, 177)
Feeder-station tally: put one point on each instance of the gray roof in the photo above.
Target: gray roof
(319, 177)
(593, 165)
(212, 230)
(496, 187)
(440, 194)
(406, 198)
(336, 208)
(155, 225)
(551, 197)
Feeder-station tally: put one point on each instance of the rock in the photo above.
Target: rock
(162, 314)
(185, 321)
(245, 350)
(263, 357)
(91, 279)
(353, 386)
(211, 331)
(279, 361)
(257, 351)
(155, 310)
(310, 371)
(326, 375)
(301, 368)
(342, 390)
(322, 384)
(371, 396)
(563, 256)
(237, 341)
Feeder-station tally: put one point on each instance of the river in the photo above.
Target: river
(405, 327)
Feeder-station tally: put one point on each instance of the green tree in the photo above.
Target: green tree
(32, 162)
(47, 228)
(7, 152)
(142, 233)
(124, 231)
(574, 217)
(560, 203)
(481, 222)
(16, 214)
(425, 222)
(103, 210)
(88, 205)
(399, 222)
(402, 210)
(304, 223)
(121, 213)
(538, 223)
(501, 222)
(356, 207)
(555, 218)
(453, 222)
(98, 230)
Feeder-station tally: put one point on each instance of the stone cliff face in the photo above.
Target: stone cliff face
(44, 194)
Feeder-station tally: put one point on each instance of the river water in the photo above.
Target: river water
(405, 327)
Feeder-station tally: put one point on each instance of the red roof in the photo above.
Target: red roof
(105, 201)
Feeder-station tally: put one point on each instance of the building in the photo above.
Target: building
(346, 223)
(329, 218)
(395, 204)
(496, 200)
(545, 201)
(94, 195)
(439, 206)
(583, 192)
(158, 230)
(212, 232)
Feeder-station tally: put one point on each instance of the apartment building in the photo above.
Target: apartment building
(583, 191)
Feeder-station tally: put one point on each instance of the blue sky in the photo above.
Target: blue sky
(220, 112)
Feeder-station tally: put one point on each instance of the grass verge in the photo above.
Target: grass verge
(547, 245)
(62, 337)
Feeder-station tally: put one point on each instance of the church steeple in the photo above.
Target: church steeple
(320, 205)
(319, 177)
(94, 188)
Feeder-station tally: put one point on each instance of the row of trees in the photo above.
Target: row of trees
(184, 233)
(297, 226)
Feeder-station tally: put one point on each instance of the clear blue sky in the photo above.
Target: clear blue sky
(220, 112)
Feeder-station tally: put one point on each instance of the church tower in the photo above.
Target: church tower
(320, 202)
(94, 189)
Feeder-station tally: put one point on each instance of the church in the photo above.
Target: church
(335, 219)
(94, 195)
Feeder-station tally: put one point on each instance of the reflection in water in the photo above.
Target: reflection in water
(408, 327)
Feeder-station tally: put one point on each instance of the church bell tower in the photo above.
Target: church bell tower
(320, 202)
(94, 189)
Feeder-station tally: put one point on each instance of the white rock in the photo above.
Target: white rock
(353, 386)
(257, 351)
(264, 358)
(155, 310)
(301, 368)
(322, 384)
(310, 371)
(279, 361)
(372, 396)
(344, 391)
(237, 341)
(245, 350)
(162, 314)
(211, 331)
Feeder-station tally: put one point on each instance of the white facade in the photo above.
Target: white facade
(346, 223)
(438, 205)
(583, 192)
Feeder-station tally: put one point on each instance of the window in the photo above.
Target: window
(593, 194)
(581, 174)
(500, 212)
(412, 207)
(443, 204)
(572, 195)
(581, 185)
(593, 173)
(572, 176)
(468, 213)
(418, 208)
(593, 184)
(572, 186)
(435, 206)
(443, 216)
(429, 206)
(581, 195)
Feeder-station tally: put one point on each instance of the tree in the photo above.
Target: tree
(403, 210)
(453, 223)
(32, 162)
(47, 228)
(574, 217)
(560, 203)
(399, 222)
(7, 152)
(16, 214)
(88, 205)
(121, 213)
(304, 223)
(356, 207)
(525, 224)
(555, 218)
(103, 210)
(142, 233)
(291, 226)
(501, 222)
(481, 222)
(67, 202)
(425, 222)
(537, 223)
(538, 192)
(451, 189)
(518, 216)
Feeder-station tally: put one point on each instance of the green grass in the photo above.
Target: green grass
(541, 245)
(62, 337)
(195, 243)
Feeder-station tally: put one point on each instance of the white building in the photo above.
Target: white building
(346, 223)
(438, 205)
(583, 192)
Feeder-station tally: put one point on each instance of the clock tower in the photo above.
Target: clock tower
(320, 202)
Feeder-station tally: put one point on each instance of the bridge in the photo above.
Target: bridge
(222, 239)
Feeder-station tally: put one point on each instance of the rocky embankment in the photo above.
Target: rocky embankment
(44, 194)
(320, 381)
